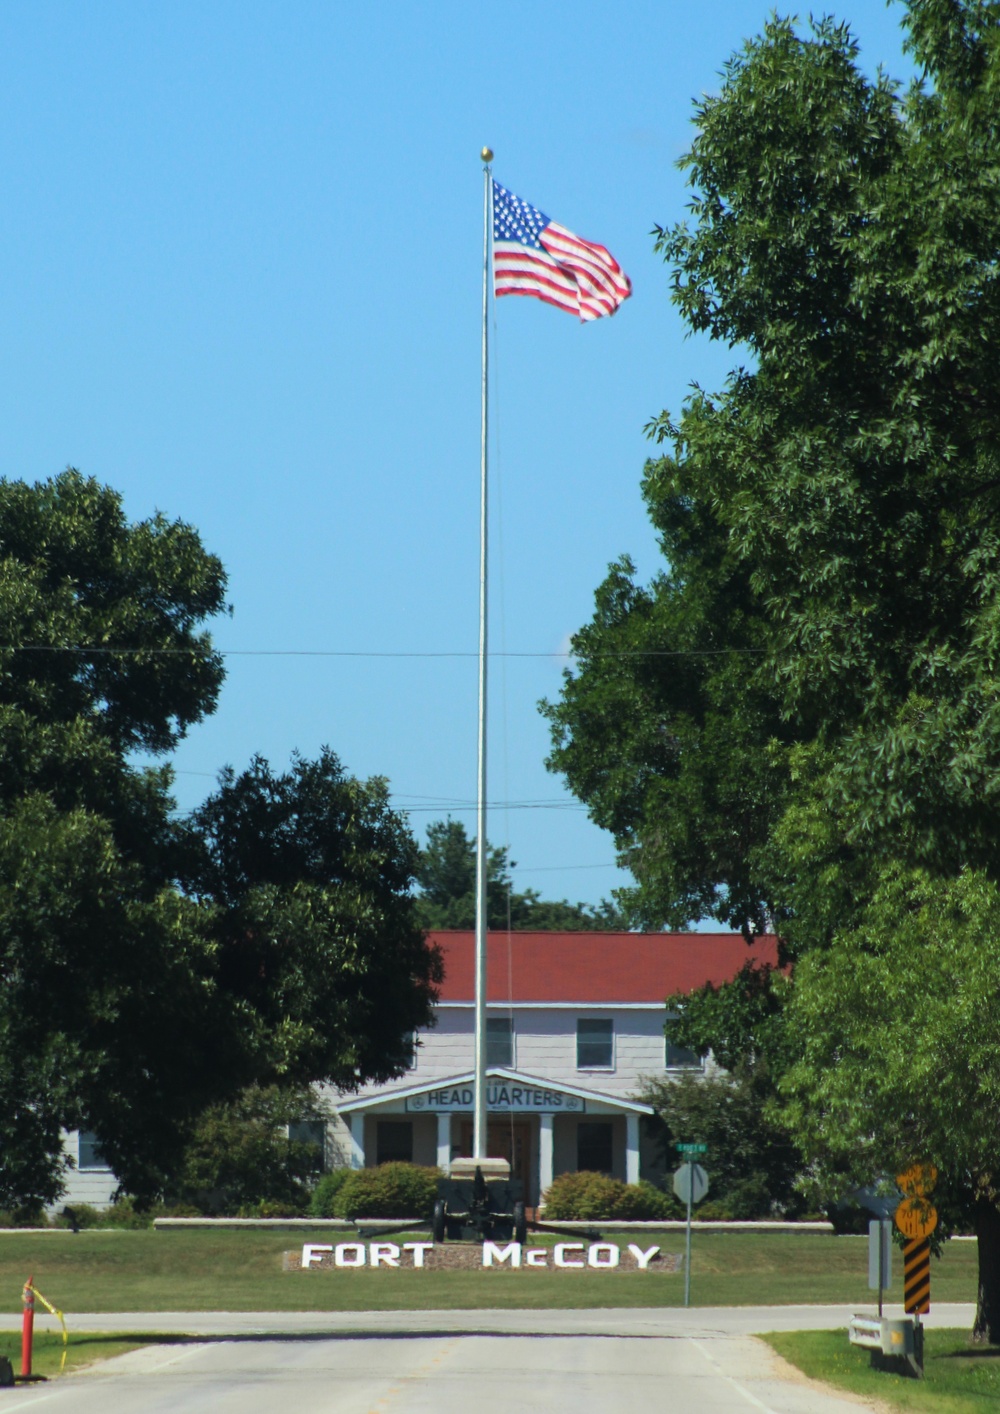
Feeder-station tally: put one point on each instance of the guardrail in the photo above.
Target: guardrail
(896, 1345)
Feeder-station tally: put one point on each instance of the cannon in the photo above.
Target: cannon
(478, 1201)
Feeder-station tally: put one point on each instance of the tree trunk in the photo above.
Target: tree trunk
(987, 1221)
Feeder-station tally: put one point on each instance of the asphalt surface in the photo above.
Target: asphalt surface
(702, 1361)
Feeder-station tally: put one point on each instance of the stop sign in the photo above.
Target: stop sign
(690, 1183)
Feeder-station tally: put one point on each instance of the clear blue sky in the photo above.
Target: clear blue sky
(240, 257)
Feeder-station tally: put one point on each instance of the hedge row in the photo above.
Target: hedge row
(389, 1191)
(596, 1197)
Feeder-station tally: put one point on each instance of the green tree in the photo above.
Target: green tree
(128, 1005)
(306, 878)
(894, 1034)
(240, 1154)
(806, 700)
(446, 875)
(754, 1163)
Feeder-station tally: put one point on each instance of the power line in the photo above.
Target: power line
(431, 804)
(122, 652)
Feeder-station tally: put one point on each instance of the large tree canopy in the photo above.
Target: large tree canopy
(151, 967)
(805, 705)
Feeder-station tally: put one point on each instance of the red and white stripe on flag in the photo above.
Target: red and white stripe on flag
(573, 274)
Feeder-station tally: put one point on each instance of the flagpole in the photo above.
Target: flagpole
(479, 1113)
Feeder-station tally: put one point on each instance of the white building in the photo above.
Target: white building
(576, 1023)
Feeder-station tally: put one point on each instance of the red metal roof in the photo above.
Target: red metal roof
(599, 968)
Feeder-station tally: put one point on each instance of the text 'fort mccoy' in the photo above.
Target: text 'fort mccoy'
(423, 1256)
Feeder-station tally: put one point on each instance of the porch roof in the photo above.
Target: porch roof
(513, 1077)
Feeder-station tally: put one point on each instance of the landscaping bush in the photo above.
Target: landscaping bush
(24, 1217)
(321, 1204)
(712, 1212)
(240, 1156)
(389, 1191)
(596, 1197)
(273, 1208)
(754, 1165)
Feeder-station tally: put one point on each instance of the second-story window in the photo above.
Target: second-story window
(595, 1043)
(679, 1057)
(500, 1041)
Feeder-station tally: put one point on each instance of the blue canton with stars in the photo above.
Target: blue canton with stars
(516, 220)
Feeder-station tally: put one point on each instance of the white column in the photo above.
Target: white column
(444, 1141)
(544, 1153)
(631, 1148)
(357, 1139)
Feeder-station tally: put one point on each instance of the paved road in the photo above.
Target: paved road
(701, 1361)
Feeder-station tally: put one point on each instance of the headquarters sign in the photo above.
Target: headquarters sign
(502, 1095)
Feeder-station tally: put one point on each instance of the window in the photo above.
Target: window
(594, 1044)
(89, 1154)
(679, 1057)
(500, 1041)
(594, 1148)
(394, 1141)
(310, 1131)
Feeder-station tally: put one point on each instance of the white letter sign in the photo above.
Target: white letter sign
(493, 1252)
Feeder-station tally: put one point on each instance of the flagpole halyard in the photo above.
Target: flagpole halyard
(479, 1129)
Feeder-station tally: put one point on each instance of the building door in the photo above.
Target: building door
(506, 1139)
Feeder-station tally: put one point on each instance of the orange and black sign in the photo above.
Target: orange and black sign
(917, 1276)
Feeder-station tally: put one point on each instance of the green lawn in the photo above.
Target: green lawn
(241, 1271)
(50, 1357)
(958, 1378)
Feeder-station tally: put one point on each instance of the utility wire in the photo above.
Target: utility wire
(359, 653)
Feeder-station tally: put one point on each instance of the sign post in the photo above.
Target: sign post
(880, 1256)
(690, 1185)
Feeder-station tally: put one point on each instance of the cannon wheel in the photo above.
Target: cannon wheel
(520, 1224)
(437, 1224)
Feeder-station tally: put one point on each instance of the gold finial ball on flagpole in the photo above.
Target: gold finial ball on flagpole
(487, 154)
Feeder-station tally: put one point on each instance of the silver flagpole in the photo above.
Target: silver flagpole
(479, 1113)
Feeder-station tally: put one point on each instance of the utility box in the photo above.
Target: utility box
(895, 1345)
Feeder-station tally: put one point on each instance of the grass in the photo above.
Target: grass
(241, 1271)
(959, 1378)
(83, 1348)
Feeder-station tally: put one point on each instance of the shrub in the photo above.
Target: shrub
(81, 1215)
(389, 1191)
(24, 1217)
(321, 1204)
(272, 1208)
(712, 1212)
(754, 1165)
(124, 1213)
(596, 1197)
(240, 1156)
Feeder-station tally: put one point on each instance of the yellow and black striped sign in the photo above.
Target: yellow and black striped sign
(917, 1276)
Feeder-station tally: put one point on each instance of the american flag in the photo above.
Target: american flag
(535, 256)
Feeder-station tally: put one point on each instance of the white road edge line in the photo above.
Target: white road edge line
(750, 1398)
